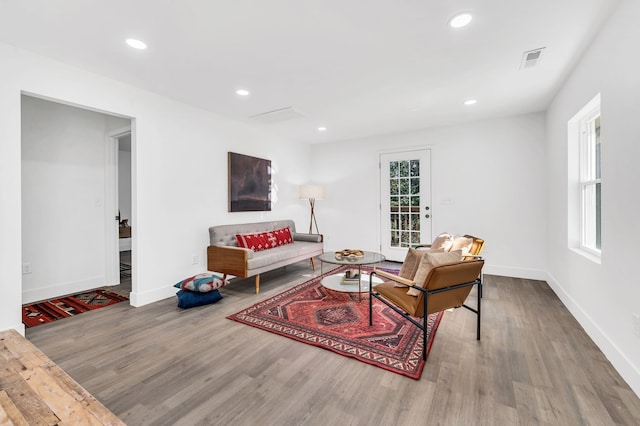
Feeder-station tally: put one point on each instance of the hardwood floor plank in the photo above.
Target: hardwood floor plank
(35, 391)
(591, 408)
(66, 407)
(627, 409)
(160, 365)
(9, 413)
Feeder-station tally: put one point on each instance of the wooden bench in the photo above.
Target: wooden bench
(35, 391)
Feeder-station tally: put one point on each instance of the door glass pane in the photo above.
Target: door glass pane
(415, 238)
(394, 203)
(393, 187)
(415, 186)
(393, 169)
(395, 222)
(404, 169)
(404, 202)
(404, 239)
(415, 222)
(404, 186)
(415, 168)
(395, 239)
(404, 221)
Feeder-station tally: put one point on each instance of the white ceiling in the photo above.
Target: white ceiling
(358, 67)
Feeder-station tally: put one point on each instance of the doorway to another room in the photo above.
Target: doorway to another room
(125, 228)
(70, 221)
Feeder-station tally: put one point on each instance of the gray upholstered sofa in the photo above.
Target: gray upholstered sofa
(224, 255)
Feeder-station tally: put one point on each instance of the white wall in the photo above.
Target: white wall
(10, 196)
(493, 172)
(602, 296)
(179, 173)
(63, 198)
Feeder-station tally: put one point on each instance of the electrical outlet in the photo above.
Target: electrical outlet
(194, 260)
(26, 268)
(636, 324)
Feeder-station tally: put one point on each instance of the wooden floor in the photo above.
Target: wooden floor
(35, 391)
(160, 365)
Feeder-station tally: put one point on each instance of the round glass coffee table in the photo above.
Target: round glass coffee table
(337, 282)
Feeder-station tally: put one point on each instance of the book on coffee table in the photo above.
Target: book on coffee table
(350, 277)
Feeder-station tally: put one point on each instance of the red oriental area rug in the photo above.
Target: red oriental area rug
(337, 321)
(64, 307)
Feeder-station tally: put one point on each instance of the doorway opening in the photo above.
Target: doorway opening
(125, 222)
(69, 198)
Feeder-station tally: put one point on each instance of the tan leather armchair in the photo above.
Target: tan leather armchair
(476, 247)
(475, 250)
(445, 287)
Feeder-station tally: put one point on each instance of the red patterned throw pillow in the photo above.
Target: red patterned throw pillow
(265, 240)
(283, 236)
(255, 242)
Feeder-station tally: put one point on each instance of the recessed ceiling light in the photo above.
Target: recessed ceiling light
(322, 129)
(460, 20)
(242, 92)
(136, 44)
(470, 102)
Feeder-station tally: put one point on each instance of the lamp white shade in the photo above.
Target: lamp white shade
(312, 192)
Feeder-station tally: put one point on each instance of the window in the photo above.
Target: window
(585, 180)
(590, 182)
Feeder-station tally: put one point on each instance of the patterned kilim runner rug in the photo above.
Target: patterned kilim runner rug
(63, 307)
(338, 322)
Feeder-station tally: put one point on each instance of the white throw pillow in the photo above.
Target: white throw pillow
(442, 242)
(429, 261)
(462, 243)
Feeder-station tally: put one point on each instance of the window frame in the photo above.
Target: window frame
(585, 181)
(589, 167)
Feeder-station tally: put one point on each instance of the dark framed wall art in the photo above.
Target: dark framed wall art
(249, 183)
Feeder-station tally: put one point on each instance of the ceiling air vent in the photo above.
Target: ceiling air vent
(277, 115)
(531, 58)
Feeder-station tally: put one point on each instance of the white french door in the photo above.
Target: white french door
(405, 194)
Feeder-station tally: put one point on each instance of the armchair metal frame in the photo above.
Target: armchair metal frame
(426, 293)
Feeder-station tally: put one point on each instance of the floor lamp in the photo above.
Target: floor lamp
(312, 193)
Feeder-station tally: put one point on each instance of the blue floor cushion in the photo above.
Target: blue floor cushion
(190, 299)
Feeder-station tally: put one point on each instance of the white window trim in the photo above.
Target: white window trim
(586, 151)
(579, 141)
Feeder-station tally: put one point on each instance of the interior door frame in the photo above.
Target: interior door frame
(112, 249)
(380, 185)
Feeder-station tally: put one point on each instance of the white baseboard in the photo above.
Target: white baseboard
(138, 299)
(629, 371)
(508, 271)
(44, 293)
